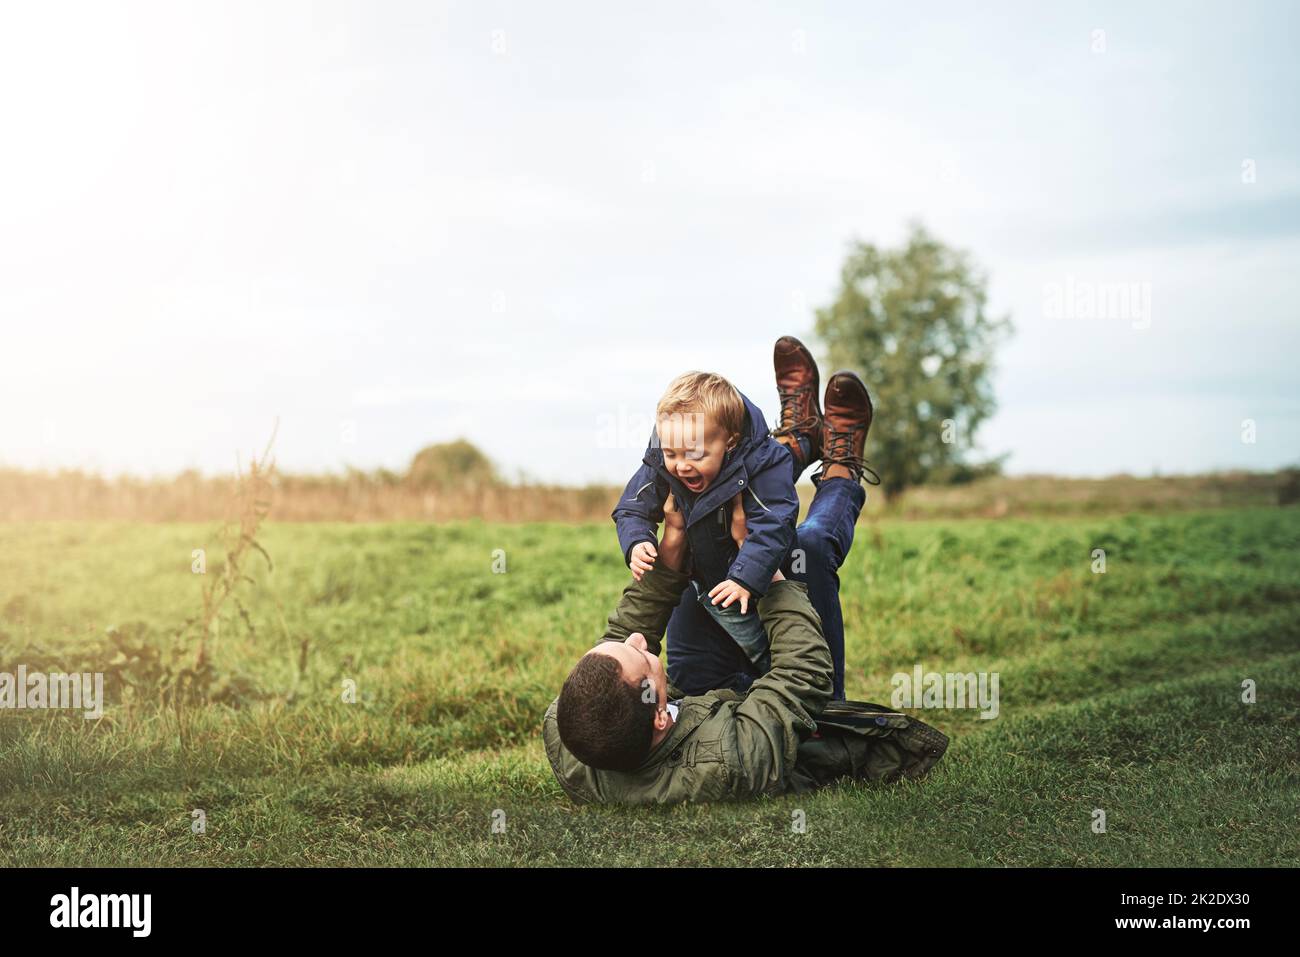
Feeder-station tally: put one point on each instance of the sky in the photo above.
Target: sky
(382, 225)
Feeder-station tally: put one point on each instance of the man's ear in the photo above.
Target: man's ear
(662, 719)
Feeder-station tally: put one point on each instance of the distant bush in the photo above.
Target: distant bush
(1288, 489)
(458, 464)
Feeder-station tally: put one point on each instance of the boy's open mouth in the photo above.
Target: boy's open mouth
(694, 484)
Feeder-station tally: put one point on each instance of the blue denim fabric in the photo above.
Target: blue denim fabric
(745, 628)
(702, 655)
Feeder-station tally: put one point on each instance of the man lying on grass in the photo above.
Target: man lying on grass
(620, 733)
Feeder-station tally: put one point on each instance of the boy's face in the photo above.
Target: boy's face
(694, 447)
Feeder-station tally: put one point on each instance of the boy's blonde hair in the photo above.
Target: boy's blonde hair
(707, 392)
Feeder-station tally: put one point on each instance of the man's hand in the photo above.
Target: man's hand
(674, 520)
(739, 530)
(643, 559)
(672, 548)
(729, 591)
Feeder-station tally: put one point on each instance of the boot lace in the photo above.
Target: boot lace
(790, 402)
(839, 451)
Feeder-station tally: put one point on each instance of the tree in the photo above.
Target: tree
(912, 322)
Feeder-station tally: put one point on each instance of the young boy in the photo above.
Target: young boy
(710, 451)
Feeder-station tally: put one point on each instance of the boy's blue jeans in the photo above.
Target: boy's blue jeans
(702, 656)
(745, 628)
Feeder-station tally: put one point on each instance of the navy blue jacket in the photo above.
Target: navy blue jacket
(761, 469)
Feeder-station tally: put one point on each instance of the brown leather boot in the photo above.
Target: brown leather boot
(797, 383)
(844, 432)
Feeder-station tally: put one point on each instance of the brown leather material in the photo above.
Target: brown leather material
(845, 422)
(797, 384)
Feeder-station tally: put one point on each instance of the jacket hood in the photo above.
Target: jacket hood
(757, 424)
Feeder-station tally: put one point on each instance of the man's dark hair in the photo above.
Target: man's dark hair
(603, 720)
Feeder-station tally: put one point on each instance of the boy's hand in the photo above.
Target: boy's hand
(642, 559)
(728, 591)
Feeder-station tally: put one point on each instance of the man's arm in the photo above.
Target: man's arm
(778, 712)
(647, 604)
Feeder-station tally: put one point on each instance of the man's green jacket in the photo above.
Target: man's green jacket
(778, 737)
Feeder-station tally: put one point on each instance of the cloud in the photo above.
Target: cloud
(217, 217)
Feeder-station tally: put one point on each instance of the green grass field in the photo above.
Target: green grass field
(1119, 691)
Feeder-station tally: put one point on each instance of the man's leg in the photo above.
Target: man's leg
(823, 541)
(801, 452)
(826, 534)
(701, 655)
